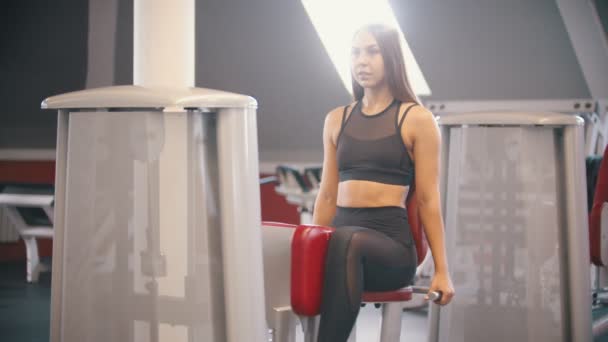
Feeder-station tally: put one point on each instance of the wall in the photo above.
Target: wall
(43, 52)
(467, 49)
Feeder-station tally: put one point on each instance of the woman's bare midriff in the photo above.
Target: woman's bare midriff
(364, 194)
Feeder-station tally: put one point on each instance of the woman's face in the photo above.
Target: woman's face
(367, 64)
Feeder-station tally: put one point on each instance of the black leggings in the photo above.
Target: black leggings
(372, 249)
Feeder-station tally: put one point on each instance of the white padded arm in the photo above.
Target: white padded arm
(22, 200)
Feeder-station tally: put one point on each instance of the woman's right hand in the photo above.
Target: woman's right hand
(443, 284)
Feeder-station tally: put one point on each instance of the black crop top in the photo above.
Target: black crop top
(370, 147)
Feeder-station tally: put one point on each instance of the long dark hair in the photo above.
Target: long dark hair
(394, 65)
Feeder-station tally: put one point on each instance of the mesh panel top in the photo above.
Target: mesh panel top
(370, 147)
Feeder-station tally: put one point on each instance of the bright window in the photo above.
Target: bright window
(336, 22)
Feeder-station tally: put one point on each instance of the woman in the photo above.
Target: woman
(372, 150)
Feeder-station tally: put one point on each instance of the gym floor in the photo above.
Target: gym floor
(25, 308)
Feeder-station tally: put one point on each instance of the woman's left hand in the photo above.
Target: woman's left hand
(443, 284)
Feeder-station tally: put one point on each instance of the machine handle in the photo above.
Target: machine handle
(433, 296)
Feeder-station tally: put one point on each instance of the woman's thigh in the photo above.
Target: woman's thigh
(387, 264)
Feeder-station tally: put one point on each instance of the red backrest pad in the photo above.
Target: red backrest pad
(308, 251)
(600, 196)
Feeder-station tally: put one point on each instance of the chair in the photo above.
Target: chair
(299, 189)
(308, 252)
(30, 210)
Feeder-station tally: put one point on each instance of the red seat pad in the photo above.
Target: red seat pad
(401, 295)
(595, 224)
(308, 251)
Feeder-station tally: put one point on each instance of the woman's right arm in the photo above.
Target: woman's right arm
(325, 204)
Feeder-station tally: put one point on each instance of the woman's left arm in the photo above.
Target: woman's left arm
(426, 142)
